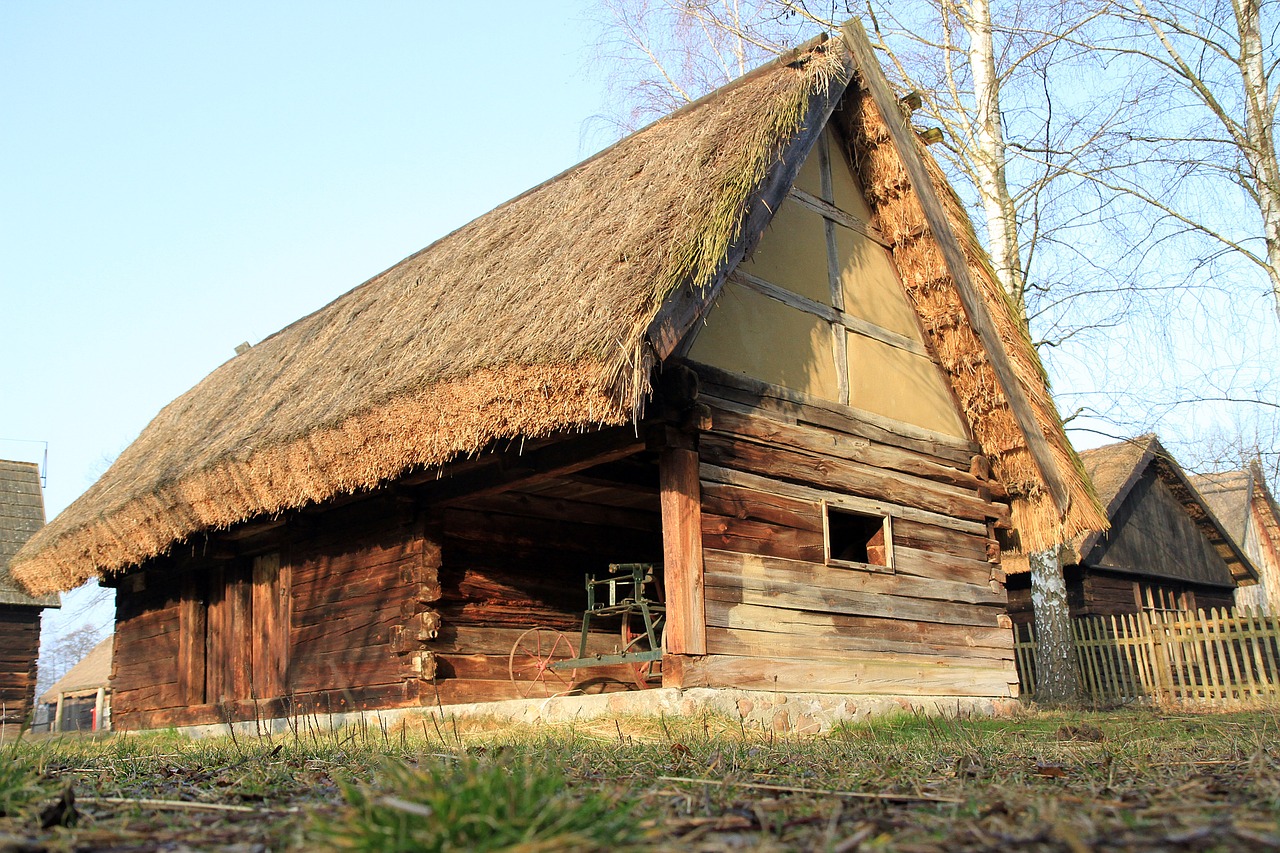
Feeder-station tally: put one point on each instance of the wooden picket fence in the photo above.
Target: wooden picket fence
(1160, 657)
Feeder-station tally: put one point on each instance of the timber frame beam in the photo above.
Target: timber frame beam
(681, 496)
(506, 471)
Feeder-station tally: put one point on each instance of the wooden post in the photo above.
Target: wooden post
(271, 609)
(240, 639)
(686, 631)
(191, 641)
(99, 703)
(57, 715)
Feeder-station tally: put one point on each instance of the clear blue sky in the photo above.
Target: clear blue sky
(176, 178)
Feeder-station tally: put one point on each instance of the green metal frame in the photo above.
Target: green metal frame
(625, 584)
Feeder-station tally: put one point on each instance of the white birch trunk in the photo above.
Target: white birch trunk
(1259, 120)
(991, 154)
(1055, 668)
(1056, 681)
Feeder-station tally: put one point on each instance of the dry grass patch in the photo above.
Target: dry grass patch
(1050, 781)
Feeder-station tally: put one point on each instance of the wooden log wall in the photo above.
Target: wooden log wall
(19, 647)
(780, 618)
(518, 560)
(144, 671)
(390, 603)
(360, 582)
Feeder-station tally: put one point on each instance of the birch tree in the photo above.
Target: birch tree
(1217, 62)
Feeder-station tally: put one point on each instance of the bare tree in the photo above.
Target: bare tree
(1213, 66)
(65, 652)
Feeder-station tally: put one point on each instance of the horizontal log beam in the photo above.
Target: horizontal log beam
(506, 471)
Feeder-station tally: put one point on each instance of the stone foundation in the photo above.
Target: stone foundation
(800, 713)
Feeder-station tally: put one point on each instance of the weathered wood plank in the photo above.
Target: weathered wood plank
(836, 580)
(527, 505)
(931, 564)
(930, 537)
(748, 504)
(729, 476)
(352, 628)
(271, 597)
(754, 537)
(858, 480)
(752, 641)
(776, 428)
(239, 657)
(899, 634)
(20, 642)
(736, 387)
(191, 642)
(543, 534)
(855, 676)
(789, 595)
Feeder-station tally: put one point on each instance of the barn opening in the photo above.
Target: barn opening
(513, 578)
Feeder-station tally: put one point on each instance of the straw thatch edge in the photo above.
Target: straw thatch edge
(421, 431)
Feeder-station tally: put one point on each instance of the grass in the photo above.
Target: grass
(1131, 780)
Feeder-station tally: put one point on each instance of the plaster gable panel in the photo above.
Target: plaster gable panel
(810, 177)
(793, 253)
(849, 196)
(871, 287)
(760, 337)
(900, 385)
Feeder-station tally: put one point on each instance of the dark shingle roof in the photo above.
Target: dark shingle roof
(21, 515)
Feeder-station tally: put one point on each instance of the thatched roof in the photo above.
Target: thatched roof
(1116, 468)
(1232, 494)
(544, 316)
(91, 672)
(21, 515)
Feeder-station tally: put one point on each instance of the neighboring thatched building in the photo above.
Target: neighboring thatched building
(1166, 548)
(1244, 504)
(21, 515)
(816, 445)
(80, 701)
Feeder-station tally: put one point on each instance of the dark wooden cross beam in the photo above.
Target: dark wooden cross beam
(504, 471)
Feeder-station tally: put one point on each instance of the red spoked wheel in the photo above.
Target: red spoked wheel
(531, 663)
(635, 640)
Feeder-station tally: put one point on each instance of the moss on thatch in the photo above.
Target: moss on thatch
(528, 321)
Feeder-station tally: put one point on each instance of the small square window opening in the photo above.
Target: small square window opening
(858, 539)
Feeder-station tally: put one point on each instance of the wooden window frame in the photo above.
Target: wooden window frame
(886, 524)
